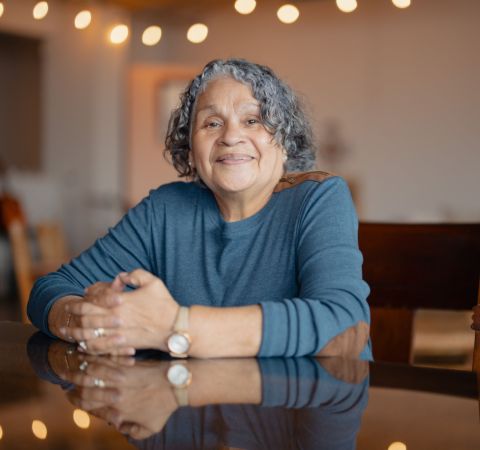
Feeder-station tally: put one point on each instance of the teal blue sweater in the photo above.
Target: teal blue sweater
(298, 258)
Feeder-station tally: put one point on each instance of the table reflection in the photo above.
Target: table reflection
(235, 403)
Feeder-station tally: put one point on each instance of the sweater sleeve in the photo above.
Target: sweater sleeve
(124, 248)
(332, 295)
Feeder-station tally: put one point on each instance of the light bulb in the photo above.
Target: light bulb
(81, 418)
(1, 432)
(119, 34)
(40, 10)
(288, 13)
(83, 19)
(402, 3)
(197, 33)
(39, 429)
(152, 35)
(245, 6)
(2, 9)
(347, 6)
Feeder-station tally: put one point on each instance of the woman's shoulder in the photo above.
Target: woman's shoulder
(316, 180)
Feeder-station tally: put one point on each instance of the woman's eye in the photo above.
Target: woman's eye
(212, 124)
(252, 121)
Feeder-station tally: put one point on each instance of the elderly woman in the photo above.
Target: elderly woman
(243, 260)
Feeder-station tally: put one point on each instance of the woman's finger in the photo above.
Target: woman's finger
(84, 307)
(138, 278)
(96, 321)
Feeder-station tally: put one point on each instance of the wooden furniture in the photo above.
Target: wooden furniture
(48, 238)
(412, 266)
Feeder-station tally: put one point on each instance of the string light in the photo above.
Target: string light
(83, 19)
(2, 9)
(197, 33)
(119, 34)
(288, 13)
(1, 432)
(40, 10)
(346, 6)
(81, 418)
(152, 35)
(402, 3)
(245, 6)
(39, 429)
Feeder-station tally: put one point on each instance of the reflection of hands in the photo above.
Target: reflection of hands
(134, 396)
(476, 318)
(142, 318)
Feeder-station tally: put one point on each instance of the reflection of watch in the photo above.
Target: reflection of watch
(180, 378)
(179, 341)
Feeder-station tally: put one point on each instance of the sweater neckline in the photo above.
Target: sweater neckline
(239, 227)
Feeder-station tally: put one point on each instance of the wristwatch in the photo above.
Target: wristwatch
(180, 378)
(179, 341)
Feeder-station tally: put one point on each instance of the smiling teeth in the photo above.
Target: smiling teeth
(235, 157)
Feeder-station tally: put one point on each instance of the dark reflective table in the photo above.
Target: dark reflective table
(52, 397)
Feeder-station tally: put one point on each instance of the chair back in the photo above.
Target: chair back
(412, 266)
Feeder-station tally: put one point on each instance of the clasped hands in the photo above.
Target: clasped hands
(110, 320)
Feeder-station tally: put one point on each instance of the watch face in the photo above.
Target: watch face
(178, 375)
(178, 343)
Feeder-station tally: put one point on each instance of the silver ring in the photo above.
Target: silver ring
(83, 366)
(98, 382)
(99, 332)
(82, 345)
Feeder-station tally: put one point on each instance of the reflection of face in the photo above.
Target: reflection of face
(231, 150)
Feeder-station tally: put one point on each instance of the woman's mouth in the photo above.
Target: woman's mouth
(234, 158)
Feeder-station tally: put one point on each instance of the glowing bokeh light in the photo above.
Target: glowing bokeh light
(39, 429)
(288, 13)
(81, 418)
(347, 6)
(397, 446)
(245, 6)
(2, 9)
(152, 35)
(40, 10)
(402, 3)
(83, 19)
(197, 33)
(119, 34)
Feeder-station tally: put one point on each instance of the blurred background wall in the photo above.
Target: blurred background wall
(393, 96)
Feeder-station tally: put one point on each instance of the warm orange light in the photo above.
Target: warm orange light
(2, 9)
(119, 34)
(83, 19)
(397, 446)
(1, 432)
(288, 13)
(40, 10)
(402, 3)
(347, 6)
(152, 35)
(197, 33)
(81, 419)
(39, 429)
(245, 6)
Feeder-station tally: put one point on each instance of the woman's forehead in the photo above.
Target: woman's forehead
(225, 90)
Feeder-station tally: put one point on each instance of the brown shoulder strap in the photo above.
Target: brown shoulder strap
(290, 180)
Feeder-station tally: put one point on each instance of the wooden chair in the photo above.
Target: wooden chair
(413, 266)
(51, 248)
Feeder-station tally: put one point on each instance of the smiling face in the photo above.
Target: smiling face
(233, 153)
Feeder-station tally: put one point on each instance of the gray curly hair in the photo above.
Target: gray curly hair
(280, 109)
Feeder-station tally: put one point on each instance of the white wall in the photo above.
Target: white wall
(401, 84)
(83, 110)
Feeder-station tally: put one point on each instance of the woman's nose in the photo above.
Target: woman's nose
(232, 134)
